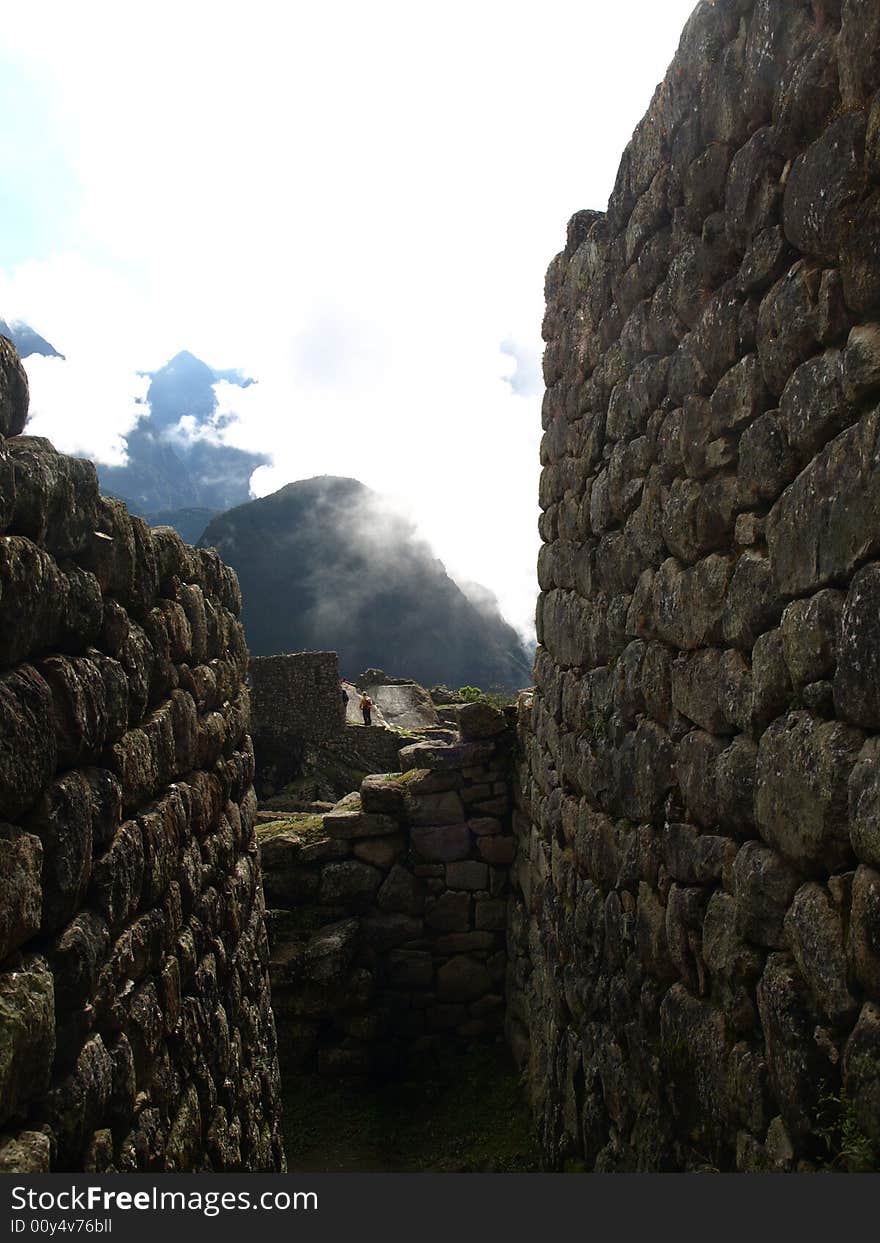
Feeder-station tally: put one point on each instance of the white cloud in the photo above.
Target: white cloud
(353, 203)
(62, 389)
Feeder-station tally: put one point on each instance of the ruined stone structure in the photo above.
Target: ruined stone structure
(297, 695)
(695, 944)
(387, 916)
(135, 1025)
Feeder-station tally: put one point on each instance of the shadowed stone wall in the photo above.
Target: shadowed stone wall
(387, 916)
(135, 1024)
(297, 695)
(695, 939)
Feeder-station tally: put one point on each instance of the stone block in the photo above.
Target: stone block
(816, 936)
(857, 677)
(801, 790)
(499, 851)
(823, 525)
(462, 979)
(442, 843)
(402, 892)
(864, 804)
(864, 930)
(468, 874)
(810, 631)
(435, 809)
(27, 1034)
(14, 394)
(451, 912)
(490, 914)
(764, 886)
(347, 881)
(21, 898)
(25, 715)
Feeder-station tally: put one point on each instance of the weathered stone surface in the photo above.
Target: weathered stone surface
(771, 689)
(450, 913)
(480, 720)
(348, 879)
(695, 686)
(810, 634)
(710, 458)
(56, 497)
(383, 793)
(823, 524)
(751, 605)
(734, 963)
(801, 790)
(381, 852)
(861, 362)
(62, 820)
(764, 886)
(864, 804)
(28, 1152)
(442, 844)
(688, 602)
(469, 874)
(435, 809)
(735, 786)
(13, 390)
(462, 979)
(442, 758)
(401, 891)
(28, 750)
(864, 930)
(857, 678)
(797, 1051)
(788, 324)
(21, 898)
(816, 937)
(27, 1034)
(823, 181)
(698, 753)
(695, 858)
(348, 820)
(861, 1071)
(813, 407)
(330, 952)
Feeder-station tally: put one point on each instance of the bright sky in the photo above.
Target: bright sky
(353, 202)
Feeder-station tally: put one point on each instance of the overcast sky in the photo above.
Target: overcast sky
(355, 203)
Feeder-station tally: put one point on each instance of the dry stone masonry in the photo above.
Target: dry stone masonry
(387, 916)
(695, 940)
(135, 1025)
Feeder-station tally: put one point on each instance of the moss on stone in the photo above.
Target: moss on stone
(304, 826)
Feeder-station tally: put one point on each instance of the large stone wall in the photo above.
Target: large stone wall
(297, 695)
(135, 1025)
(387, 916)
(695, 942)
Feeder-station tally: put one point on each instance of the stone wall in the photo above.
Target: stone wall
(695, 942)
(387, 916)
(297, 695)
(135, 1025)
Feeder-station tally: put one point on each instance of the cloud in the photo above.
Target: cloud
(61, 390)
(526, 378)
(354, 204)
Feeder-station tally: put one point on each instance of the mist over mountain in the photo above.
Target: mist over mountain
(324, 564)
(26, 341)
(176, 459)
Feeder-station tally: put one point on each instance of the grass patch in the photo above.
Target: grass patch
(303, 825)
(458, 1111)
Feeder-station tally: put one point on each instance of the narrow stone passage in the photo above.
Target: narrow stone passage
(458, 1111)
